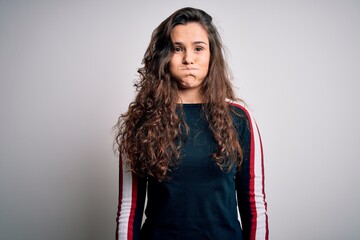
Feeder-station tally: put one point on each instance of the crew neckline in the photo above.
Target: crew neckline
(190, 104)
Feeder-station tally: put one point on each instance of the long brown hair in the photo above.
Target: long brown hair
(149, 133)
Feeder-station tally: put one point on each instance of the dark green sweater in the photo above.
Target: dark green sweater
(199, 201)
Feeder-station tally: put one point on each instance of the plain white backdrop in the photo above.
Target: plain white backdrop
(67, 70)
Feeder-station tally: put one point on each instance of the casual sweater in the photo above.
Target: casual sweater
(199, 201)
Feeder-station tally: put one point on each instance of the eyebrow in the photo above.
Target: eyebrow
(196, 42)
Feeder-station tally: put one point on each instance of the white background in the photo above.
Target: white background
(67, 70)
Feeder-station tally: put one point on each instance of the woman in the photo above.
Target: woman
(186, 143)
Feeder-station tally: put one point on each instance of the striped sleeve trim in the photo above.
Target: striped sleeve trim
(126, 203)
(259, 222)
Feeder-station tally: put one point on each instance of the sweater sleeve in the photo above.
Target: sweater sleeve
(132, 191)
(250, 182)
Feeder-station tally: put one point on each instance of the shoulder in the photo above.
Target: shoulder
(241, 115)
(239, 109)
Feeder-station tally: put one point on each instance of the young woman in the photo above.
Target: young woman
(187, 143)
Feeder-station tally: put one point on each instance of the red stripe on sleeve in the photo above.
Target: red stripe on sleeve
(120, 195)
(252, 180)
(133, 208)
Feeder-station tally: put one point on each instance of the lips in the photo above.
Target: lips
(189, 69)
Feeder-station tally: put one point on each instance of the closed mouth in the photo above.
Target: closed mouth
(189, 68)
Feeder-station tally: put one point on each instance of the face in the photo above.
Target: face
(189, 64)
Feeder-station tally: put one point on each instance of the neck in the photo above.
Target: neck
(190, 96)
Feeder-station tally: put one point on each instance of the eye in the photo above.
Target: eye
(199, 49)
(178, 49)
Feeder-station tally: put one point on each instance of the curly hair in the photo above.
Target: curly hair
(149, 134)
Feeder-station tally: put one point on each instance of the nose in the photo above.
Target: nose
(188, 58)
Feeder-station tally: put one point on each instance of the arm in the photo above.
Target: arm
(132, 191)
(250, 183)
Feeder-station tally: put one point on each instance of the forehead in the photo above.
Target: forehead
(192, 32)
